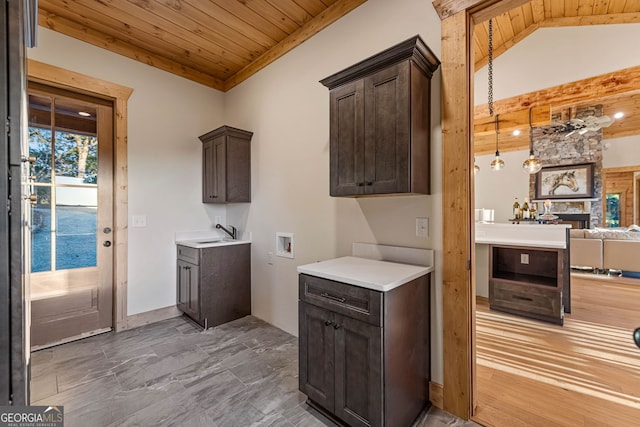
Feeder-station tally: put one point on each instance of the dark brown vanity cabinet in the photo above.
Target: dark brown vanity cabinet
(226, 165)
(364, 354)
(380, 123)
(214, 283)
(532, 282)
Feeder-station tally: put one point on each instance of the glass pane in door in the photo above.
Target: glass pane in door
(76, 221)
(41, 230)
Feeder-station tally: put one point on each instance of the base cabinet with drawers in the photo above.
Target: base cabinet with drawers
(530, 281)
(364, 354)
(214, 283)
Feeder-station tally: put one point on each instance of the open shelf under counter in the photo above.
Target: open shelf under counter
(530, 281)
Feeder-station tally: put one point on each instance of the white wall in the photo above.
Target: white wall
(166, 116)
(288, 111)
(621, 152)
(553, 56)
(497, 190)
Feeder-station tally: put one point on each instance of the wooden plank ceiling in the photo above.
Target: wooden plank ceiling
(514, 26)
(218, 43)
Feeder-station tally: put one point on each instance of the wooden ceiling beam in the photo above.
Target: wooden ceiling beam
(81, 32)
(540, 116)
(447, 8)
(574, 21)
(312, 27)
(486, 144)
(601, 86)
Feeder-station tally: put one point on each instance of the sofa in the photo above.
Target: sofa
(606, 248)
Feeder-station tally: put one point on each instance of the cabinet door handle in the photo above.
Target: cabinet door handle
(336, 326)
(331, 297)
(360, 184)
(328, 323)
(369, 183)
(521, 298)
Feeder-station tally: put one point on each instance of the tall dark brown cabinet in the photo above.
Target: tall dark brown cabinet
(226, 165)
(380, 122)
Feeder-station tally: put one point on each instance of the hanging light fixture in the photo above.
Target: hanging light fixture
(497, 163)
(532, 164)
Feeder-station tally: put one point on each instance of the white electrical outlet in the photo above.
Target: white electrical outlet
(422, 227)
(524, 258)
(270, 258)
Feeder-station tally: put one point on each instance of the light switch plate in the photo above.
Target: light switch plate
(139, 221)
(524, 258)
(422, 227)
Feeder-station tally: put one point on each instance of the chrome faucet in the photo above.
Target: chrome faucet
(233, 233)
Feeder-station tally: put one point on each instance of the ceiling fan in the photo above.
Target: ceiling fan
(582, 126)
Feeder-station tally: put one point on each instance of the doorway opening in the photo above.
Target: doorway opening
(70, 253)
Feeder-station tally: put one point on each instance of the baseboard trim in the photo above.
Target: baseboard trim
(482, 299)
(436, 394)
(153, 316)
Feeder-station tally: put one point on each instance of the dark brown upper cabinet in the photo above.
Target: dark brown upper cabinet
(226, 165)
(380, 123)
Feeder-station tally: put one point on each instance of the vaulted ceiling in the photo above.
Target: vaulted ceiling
(513, 26)
(218, 43)
(617, 91)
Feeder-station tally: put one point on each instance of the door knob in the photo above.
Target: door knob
(106, 243)
(106, 230)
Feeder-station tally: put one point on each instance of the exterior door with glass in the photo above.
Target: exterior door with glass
(71, 254)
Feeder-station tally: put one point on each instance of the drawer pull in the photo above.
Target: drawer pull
(521, 298)
(331, 297)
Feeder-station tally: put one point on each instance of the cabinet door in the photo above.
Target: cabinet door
(316, 354)
(347, 140)
(208, 173)
(189, 289)
(213, 170)
(358, 372)
(387, 130)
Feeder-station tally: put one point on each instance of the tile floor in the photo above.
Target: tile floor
(171, 373)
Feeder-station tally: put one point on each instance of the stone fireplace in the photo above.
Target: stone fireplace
(555, 149)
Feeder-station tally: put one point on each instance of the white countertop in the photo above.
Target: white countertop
(202, 243)
(366, 273)
(199, 239)
(533, 235)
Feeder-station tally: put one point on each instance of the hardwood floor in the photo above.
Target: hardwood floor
(585, 373)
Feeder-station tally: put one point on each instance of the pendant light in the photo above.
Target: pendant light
(497, 163)
(532, 164)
